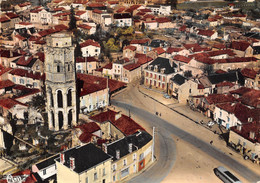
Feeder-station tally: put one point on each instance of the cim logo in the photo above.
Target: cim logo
(16, 179)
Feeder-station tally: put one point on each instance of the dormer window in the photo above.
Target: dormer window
(250, 119)
(155, 68)
(162, 70)
(252, 135)
(239, 127)
(150, 67)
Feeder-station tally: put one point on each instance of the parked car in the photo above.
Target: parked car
(166, 96)
(225, 175)
(210, 123)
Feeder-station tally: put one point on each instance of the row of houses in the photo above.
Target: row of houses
(112, 148)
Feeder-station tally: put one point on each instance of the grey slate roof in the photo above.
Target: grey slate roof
(231, 76)
(163, 63)
(85, 156)
(48, 162)
(138, 139)
(178, 79)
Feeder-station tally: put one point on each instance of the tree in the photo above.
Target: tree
(187, 74)
(38, 102)
(143, 27)
(73, 21)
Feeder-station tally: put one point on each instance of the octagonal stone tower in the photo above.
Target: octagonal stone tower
(60, 81)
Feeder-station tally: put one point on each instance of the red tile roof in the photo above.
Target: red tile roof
(8, 103)
(9, 53)
(132, 66)
(183, 28)
(124, 123)
(12, 15)
(247, 128)
(59, 9)
(219, 46)
(239, 45)
(120, 10)
(40, 56)
(241, 111)
(34, 38)
(219, 98)
(108, 66)
(90, 127)
(163, 20)
(132, 8)
(5, 70)
(23, 61)
(127, 125)
(249, 73)
(133, 48)
(97, 11)
(159, 50)
(36, 10)
(146, 10)
(80, 13)
(86, 59)
(207, 33)
(25, 23)
(89, 88)
(25, 73)
(190, 46)
(101, 81)
(181, 58)
(139, 41)
(96, 5)
(84, 26)
(220, 71)
(113, 2)
(4, 19)
(89, 42)
(225, 83)
(20, 37)
(221, 52)
(241, 91)
(170, 50)
(6, 84)
(24, 4)
(251, 98)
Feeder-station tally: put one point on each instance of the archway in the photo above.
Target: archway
(60, 115)
(59, 99)
(69, 118)
(53, 119)
(69, 98)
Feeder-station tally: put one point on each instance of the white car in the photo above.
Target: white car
(210, 123)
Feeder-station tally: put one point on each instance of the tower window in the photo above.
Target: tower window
(69, 98)
(69, 67)
(58, 68)
(60, 99)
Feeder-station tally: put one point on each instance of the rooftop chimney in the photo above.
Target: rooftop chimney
(117, 154)
(72, 163)
(104, 147)
(252, 135)
(117, 116)
(130, 147)
(62, 158)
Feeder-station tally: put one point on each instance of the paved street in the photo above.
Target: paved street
(172, 126)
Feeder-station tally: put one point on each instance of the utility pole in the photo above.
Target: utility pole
(153, 145)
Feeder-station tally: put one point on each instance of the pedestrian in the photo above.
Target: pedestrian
(211, 142)
(160, 114)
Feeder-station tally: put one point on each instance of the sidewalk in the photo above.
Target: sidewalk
(181, 109)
